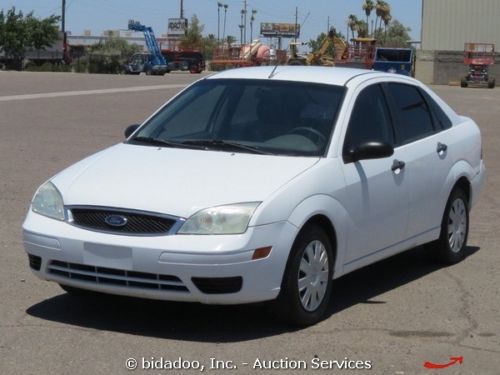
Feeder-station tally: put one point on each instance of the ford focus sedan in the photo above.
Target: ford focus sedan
(262, 184)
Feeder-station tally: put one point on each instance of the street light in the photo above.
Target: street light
(224, 30)
(242, 25)
(251, 24)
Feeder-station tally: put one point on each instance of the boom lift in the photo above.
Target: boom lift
(155, 62)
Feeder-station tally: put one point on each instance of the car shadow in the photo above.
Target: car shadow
(208, 323)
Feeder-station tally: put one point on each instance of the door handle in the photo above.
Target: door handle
(441, 147)
(397, 164)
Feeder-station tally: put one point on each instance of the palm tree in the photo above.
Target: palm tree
(352, 22)
(381, 8)
(387, 19)
(368, 6)
(362, 28)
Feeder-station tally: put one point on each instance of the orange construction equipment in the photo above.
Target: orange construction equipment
(479, 57)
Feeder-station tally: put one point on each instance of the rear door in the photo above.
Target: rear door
(421, 136)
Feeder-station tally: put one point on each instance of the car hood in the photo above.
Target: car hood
(177, 182)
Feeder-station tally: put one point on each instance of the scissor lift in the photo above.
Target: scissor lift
(479, 57)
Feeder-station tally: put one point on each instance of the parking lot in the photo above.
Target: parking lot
(397, 314)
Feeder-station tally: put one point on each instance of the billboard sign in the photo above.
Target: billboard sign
(177, 26)
(285, 30)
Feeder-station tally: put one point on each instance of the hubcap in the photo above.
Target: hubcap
(313, 275)
(457, 225)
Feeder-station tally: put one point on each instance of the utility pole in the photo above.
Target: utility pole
(328, 25)
(245, 22)
(296, 20)
(219, 5)
(241, 26)
(63, 29)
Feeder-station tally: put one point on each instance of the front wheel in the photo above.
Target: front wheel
(307, 282)
(450, 247)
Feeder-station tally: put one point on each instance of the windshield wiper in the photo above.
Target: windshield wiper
(161, 142)
(224, 145)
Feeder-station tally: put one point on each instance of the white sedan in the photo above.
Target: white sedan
(262, 184)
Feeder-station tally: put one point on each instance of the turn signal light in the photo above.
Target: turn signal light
(261, 252)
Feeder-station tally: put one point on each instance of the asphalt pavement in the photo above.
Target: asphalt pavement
(394, 315)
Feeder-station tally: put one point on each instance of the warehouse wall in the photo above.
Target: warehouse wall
(444, 67)
(448, 24)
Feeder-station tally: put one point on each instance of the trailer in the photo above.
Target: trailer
(479, 57)
(394, 60)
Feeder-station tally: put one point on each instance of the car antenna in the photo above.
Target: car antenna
(274, 69)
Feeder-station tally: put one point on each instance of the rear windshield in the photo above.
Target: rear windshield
(274, 117)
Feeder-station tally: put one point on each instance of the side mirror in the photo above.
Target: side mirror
(130, 129)
(369, 150)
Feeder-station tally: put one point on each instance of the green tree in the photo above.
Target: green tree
(397, 35)
(193, 38)
(42, 32)
(209, 46)
(230, 40)
(110, 56)
(19, 33)
(362, 29)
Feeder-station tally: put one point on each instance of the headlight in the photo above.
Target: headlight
(229, 219)
(48, 202)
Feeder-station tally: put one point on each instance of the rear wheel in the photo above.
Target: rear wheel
(463, 82)
(307, 282)
(450, 247)
(491, 83)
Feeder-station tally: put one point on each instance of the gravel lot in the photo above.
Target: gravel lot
(397, 314)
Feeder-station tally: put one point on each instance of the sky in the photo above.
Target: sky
(100, 15)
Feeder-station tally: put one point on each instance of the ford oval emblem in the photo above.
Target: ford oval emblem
(116, 220)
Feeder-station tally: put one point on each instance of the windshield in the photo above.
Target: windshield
(248, 115)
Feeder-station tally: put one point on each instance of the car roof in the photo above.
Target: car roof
(315, 74)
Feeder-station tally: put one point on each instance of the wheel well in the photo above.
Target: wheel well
(325, 223)
(464, 184)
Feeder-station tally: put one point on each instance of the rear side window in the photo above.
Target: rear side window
(441, 119)
(413, 118)
(370, 119)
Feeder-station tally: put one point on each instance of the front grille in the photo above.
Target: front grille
(35, 262)
(136, 223)
(112, 276)
(218, 285)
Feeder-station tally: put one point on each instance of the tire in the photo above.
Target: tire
(450, 247)
(491, 83)
(463, 82)
(292, 304)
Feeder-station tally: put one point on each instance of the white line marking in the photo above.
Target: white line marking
(62, 94)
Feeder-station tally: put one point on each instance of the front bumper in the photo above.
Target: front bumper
(161, 267)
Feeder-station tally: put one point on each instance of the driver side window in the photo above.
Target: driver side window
(370, 120)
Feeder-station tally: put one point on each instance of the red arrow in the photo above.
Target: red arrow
(453, 360)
